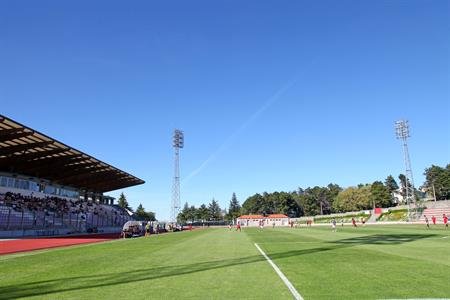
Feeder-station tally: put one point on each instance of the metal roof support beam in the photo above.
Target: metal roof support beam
(67, 173)
(53, 162)
(23, 147)
(15, 159)
(80, 174)
(12, 137)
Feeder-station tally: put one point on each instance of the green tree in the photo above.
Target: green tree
(391, 184)
(353, 199)
(122, 202)
(214, 210)
(151, 216)
(285, 203)
(140, 211)
(183, 215)
(192, 213)
(315, 201)
(379, 195)
(437, 180)
(333, 191)
(143, 215)
(234, 209)
(202, 213)
(406, 183)
(253, 204)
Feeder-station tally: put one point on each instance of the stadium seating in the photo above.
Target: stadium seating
(437, 212)
(19, 212)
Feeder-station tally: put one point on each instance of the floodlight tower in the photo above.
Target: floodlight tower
(178, 142)
(402, 133)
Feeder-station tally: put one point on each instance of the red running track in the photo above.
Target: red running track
(23, 245)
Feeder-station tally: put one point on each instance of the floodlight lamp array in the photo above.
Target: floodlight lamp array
(402, 129)
(178, 139)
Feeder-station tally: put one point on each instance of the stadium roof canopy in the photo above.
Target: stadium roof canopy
(28, 152)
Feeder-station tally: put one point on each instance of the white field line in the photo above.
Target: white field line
(286, 281)
(321, 242)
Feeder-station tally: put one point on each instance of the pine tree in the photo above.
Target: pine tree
(123, 202)
(214, 210)
(203, 213)
(391, 184)
(234, 210)
(140, 212)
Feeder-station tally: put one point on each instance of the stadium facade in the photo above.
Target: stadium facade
(35, 167)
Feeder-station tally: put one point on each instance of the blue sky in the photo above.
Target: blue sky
(271, 95)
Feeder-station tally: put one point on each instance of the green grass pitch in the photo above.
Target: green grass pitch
(372, 262)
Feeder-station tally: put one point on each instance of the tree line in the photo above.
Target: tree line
(318, 200)
(312, 201)
(210, 212)
(335, 199)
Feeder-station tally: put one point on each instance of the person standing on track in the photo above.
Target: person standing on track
(147, 229)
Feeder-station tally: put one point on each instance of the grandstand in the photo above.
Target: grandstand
(436, 209)
(50, 188)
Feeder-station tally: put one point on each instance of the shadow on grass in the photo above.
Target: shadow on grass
(68, 284)
(384, 239)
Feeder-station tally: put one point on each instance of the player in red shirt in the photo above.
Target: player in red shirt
(354, 222)
(433, 219)
(238, 227)
(445, 218)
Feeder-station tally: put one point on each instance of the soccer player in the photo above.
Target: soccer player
(333, 225)
(238, 227)
(426, 221)
(445, 219)
(354, 222)
(433, 219)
